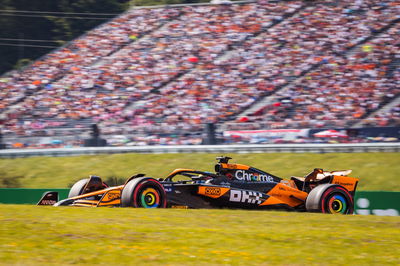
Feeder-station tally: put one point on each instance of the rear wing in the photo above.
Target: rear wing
(49, 198)
(338, 173)
(318, 176)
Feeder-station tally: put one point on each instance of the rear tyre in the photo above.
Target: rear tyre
(144, 192)
(330, 198)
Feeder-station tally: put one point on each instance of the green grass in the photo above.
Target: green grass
(67, 235)
(377, 171)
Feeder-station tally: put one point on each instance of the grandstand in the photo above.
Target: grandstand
(159, 74)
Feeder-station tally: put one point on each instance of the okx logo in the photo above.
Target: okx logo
(245, 196)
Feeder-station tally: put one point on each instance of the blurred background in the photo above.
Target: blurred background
(118, 73)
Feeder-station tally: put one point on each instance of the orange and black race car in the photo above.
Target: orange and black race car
(231, 186)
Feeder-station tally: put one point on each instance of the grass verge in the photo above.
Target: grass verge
(67, 235)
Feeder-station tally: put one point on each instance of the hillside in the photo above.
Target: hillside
(377, 171)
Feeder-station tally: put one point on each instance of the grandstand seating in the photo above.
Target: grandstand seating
(166, 71)
(339, 92)
(84, 51)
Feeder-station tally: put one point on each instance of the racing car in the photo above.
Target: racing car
(231, 186)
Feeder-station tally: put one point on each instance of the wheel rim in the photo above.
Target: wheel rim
(337, 204)
(149, 198)
(148, 194)
(336, 200)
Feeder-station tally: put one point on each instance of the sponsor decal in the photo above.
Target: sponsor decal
(348, 183)
(212, 191)
(168, 189)
(344, 184)
(179, 207)
(234, 166)
(231, 166)
(112, 196)
(246, 196)
(245, 176)
(48, 202)
(109, 198)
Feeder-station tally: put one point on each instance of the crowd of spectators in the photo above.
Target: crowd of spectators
(217, 90)
(23, 92)
(103, 90)
(167, 70)
(82, 52)
(340, 92)
(389, 117)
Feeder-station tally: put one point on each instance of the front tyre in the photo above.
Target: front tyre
(77, 188)
(144, 192)
(330, 198)
(82, 187)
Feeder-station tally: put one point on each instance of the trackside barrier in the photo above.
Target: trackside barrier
(27, 195)
(366, 202)
(248, 148)
(381, 203)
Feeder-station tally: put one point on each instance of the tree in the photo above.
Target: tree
(54, 28)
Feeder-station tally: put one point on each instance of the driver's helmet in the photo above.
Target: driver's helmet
(205, 178)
